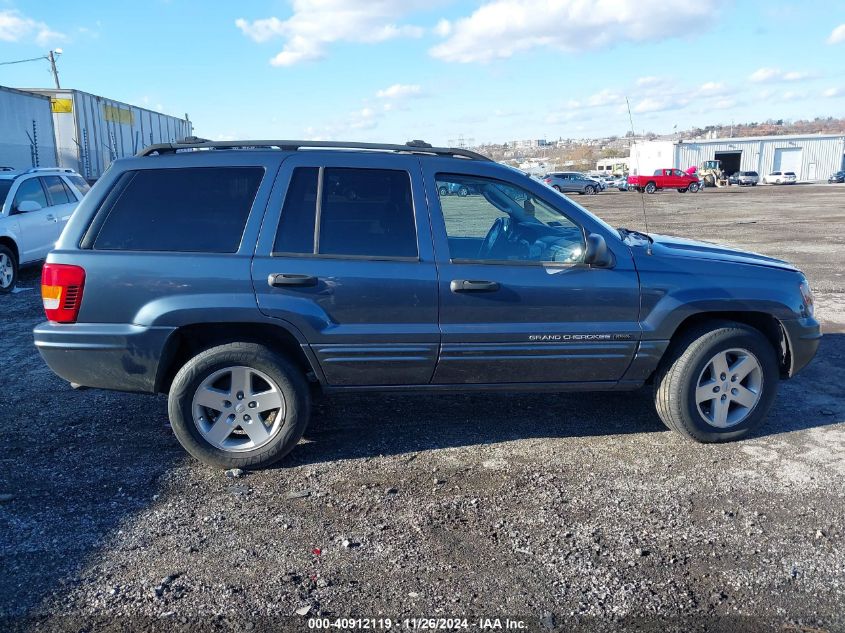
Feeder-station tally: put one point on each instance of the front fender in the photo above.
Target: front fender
(680, 289)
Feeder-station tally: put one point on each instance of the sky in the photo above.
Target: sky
(439, 70)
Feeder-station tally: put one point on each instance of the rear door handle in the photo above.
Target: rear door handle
(52, 218)
(278, 280)
(473, 285)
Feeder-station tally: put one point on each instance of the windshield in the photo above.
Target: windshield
(5, 185)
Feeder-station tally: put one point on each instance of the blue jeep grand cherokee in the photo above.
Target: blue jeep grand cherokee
(232, 275)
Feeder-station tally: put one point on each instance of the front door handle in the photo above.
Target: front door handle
(473, 285)
(52, 218)
(278, 280)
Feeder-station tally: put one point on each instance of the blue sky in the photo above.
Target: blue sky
(393, 70)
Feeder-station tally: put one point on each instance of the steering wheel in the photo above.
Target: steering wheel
(499, 231)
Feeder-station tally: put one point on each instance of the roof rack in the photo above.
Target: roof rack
(413, 147)
(33, 170)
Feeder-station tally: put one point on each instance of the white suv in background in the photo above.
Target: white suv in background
(35, 205)
(780, 178)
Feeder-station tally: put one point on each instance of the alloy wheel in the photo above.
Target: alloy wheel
(238, 409)
(729, 387)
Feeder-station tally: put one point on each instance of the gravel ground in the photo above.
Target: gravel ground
(570, 511)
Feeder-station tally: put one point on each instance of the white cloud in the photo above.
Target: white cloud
(443, 28)
(765, 74)
(16, 27)
(317, 23)
(399, 91)
(650, 104)
(762, 75)
(830, 93)
(712, 88)
(646, 82)
(724, 104)
(501, 28)
(837, 35)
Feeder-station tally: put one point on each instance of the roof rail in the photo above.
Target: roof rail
(33, 170)
(413, 147)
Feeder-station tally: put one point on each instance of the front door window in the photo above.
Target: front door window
(500, 222)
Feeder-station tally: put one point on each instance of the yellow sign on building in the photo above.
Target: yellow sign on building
(117, 114)
(61, 105)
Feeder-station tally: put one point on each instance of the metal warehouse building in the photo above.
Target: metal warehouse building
(811, 156)
(27, 138)
(91, 131)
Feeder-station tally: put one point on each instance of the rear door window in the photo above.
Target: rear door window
(58, 191)
(365, 213)
(299, 213)
(201, 209)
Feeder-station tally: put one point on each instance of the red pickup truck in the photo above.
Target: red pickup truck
(665, 179)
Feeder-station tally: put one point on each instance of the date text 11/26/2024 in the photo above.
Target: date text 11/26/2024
(419, 624)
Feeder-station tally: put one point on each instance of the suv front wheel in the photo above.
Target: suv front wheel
(239, 405)
(718, 383)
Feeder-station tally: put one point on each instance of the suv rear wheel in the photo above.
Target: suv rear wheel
(718, 384)
(239, 405)
(8, 269)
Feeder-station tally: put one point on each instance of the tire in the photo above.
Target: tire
(687, 367)
(557, 188)
(682, 190)
(693, 188)
(8, 270)
(650, 188)
(463, 192)
(589, 190)
(443, 191)
(283, 435)
(753, 184)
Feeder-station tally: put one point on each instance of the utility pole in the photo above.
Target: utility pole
(52, 57)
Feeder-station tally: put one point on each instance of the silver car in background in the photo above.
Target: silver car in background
(572, 182)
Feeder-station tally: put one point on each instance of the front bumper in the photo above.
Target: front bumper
(803, 337)
(103, 355)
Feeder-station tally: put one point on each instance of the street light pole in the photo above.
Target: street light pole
(52, 57)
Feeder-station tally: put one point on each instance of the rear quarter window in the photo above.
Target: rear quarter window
(200, 209)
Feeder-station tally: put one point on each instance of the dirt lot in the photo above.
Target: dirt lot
(573, 512)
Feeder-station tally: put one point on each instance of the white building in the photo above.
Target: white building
(810, 156)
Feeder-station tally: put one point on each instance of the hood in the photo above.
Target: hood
(668, 246)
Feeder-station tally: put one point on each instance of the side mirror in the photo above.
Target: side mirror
(596, 252)
(27, 206)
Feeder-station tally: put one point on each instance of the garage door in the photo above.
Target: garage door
(788, 159)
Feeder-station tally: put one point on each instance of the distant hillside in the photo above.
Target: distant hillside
(582, 154)
(829, 125)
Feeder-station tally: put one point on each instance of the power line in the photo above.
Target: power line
(21, 61)
(50, 57)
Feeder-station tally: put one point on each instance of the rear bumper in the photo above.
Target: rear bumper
(803, 337)
(103, 355)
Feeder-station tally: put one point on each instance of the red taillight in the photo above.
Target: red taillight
(61, 291)
(547, 180)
